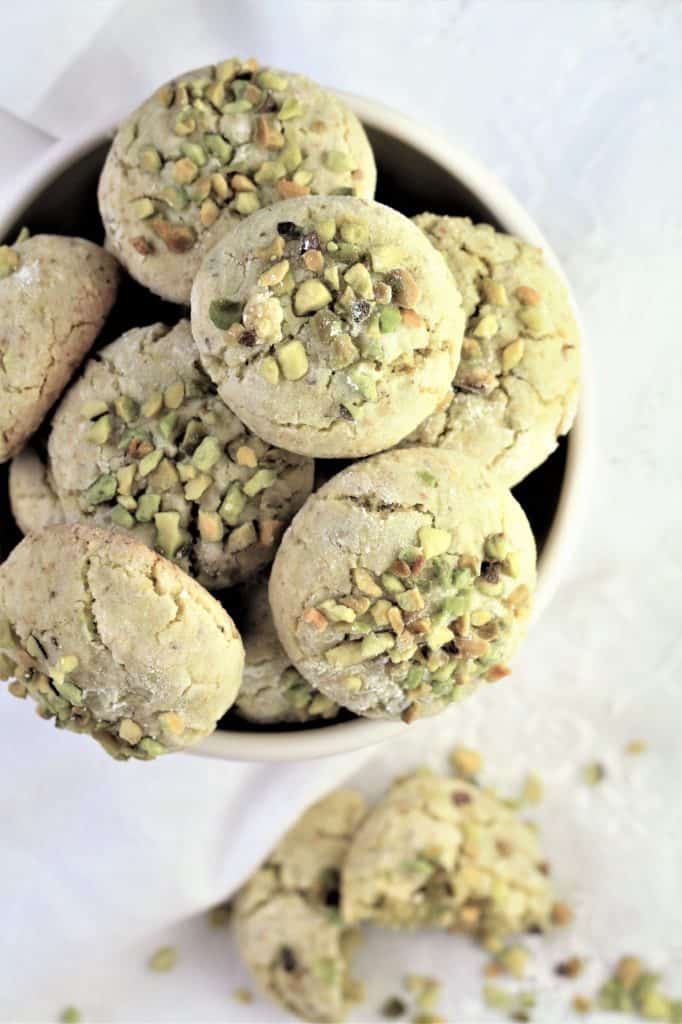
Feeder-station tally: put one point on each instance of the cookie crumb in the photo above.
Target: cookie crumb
(465, 762)
(163, 960)
(392, 1008)
(636, 747)
(593, 773)
(581, 1004)
(70, 1015)
(242, 995)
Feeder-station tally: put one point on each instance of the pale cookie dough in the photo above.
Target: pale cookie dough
(287, 922)
(442, 852)
(330, 325)
(403, 582)
(516, 389)
(111, 639)
(55, 294)
(211, 147)
(143, 443)
(272, 690)
(33, 500)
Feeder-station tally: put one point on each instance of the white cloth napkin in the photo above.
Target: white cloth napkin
(573, 105)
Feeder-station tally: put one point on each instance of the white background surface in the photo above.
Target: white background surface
(576, 105)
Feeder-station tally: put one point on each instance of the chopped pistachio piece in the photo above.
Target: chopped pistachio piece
(121, 517)
(169, 535)
(143, 208)
(103, 489)
(261, 480)
(433, 541)
(311, 296)
(150, 462)
(293, 360)
(197, 486)
(389, 319)
(164, 959)
(338, 161)
(100, 431)
(147, 506)
(218, 146)
(126, 408)
(246, 203)
(269, 370)
(152, 406)
(207, 454)
(386, 257)
(211, 527)
(93, 409)
(233, 505)
(358, 277)
(241, 538)
(224, 313)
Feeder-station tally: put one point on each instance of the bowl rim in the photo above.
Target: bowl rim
(328, 740)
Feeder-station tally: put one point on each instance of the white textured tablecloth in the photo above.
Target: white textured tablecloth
(576, 105)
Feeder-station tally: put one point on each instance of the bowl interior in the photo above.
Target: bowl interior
(409, 181)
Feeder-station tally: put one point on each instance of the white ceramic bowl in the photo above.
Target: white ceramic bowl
(418, 171)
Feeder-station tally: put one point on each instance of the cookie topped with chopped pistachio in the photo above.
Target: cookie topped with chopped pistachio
(516, 388)
(328, 324)
(288, 927)
(272, 689)
(441, 852)
(32, 496)
(110, 639)
(55, 294)
(403, 582)
(143, 443)
(208, 149)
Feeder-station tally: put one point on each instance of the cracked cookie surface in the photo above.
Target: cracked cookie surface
(403, 582)
(55, 294)
(208, 149)
(112, 640)
(272, 690)
(142, 443)
(329, 324)
(289, 931)
(441, 852)
(516, 388)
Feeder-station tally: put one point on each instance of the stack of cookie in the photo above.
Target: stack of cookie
(181, 461)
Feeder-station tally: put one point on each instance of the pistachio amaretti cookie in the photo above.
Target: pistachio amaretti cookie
(289, 931)
(208, 149)
(55, 294)
(516, 388)
(330, 325)
(142, 443)
(272, 689)
(441, 852)
(110, 639)
(403, 582)
(32, 496)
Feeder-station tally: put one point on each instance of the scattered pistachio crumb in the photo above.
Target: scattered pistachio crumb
(514, 959)
(465, 762)
(70, 1015)
(593, 773)
(242, 995)
(636, 747)
(581, 1004)
(393, 1008)
(532, 790)
(570, 968)
(164, 959)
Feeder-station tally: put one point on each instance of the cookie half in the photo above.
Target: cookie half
(440, 852)
(289, 931)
